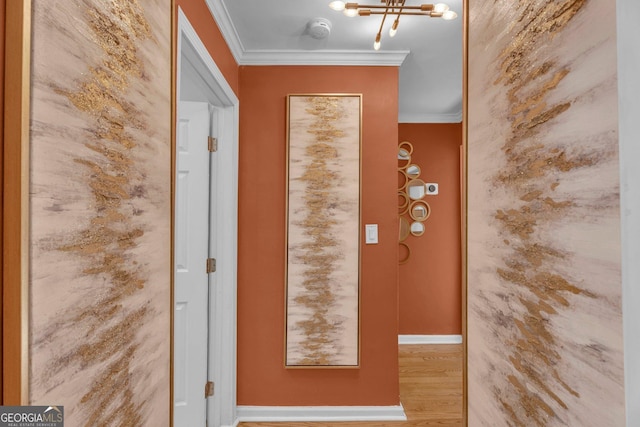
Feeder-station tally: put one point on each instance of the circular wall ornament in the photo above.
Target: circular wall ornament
(413, 171)
(405, 229)
(404, 253)
(403, 203)
(407, 146)
(403, 179)
(404, 154)
(417, 228)
(416, 189)
(419, 210)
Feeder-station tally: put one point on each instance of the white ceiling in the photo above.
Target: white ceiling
(270, 32)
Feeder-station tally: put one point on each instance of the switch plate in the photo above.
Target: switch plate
(371, 234)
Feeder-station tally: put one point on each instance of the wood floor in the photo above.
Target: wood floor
(430, 390)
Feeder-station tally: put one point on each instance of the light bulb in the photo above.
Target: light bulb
(394, 28)
(440, 8)
(351, 12)
(337, 5)
(449, 15)
(376, 44)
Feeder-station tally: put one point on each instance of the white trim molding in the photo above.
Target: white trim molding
(225, 24)
(203, 62)
(430, 118)
(320, 413)
(429, 339)
(390, 58)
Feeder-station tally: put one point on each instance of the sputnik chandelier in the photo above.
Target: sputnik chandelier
(391, 8)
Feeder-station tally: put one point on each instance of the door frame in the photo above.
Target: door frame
(221, 408)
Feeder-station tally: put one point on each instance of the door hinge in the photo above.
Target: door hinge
(213, 144)
(211, 265)
(208, 389)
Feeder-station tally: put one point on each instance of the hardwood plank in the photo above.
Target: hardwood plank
(431, 390)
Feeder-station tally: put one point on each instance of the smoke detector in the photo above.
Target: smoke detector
(319, 28)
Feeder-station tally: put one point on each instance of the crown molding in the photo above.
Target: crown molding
(404, 117)
(323, 57)
(225, 24)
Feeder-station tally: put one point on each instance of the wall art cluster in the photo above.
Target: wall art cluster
(413, 210)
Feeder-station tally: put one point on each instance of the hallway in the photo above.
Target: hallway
(430, 389)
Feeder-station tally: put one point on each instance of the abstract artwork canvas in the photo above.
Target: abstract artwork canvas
(544, 270)
(100, 196)
(323, 237)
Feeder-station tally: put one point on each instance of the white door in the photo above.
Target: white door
(191, 294)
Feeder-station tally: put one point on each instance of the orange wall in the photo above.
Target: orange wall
(430, 282)
(200, 17)
(262, 379)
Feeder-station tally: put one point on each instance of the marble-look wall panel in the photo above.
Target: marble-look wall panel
(100, 210)
(544, 288)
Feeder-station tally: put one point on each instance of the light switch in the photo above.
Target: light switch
(371, 234)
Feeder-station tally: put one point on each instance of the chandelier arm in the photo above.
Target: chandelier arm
(406, 14)
(384, 16)
(401, 7)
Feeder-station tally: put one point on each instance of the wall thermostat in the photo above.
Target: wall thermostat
(432, 188)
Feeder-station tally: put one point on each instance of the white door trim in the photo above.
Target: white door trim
(222, 352)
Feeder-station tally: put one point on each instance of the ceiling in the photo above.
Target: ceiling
(428, 50)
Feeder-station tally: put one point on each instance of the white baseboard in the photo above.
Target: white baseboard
(429, 339)
(320, 413)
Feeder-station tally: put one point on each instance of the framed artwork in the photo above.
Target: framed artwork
(544, 298)
(323, 230)
(93, 208)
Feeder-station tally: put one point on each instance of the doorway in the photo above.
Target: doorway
(203, 92)
(194, 255)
